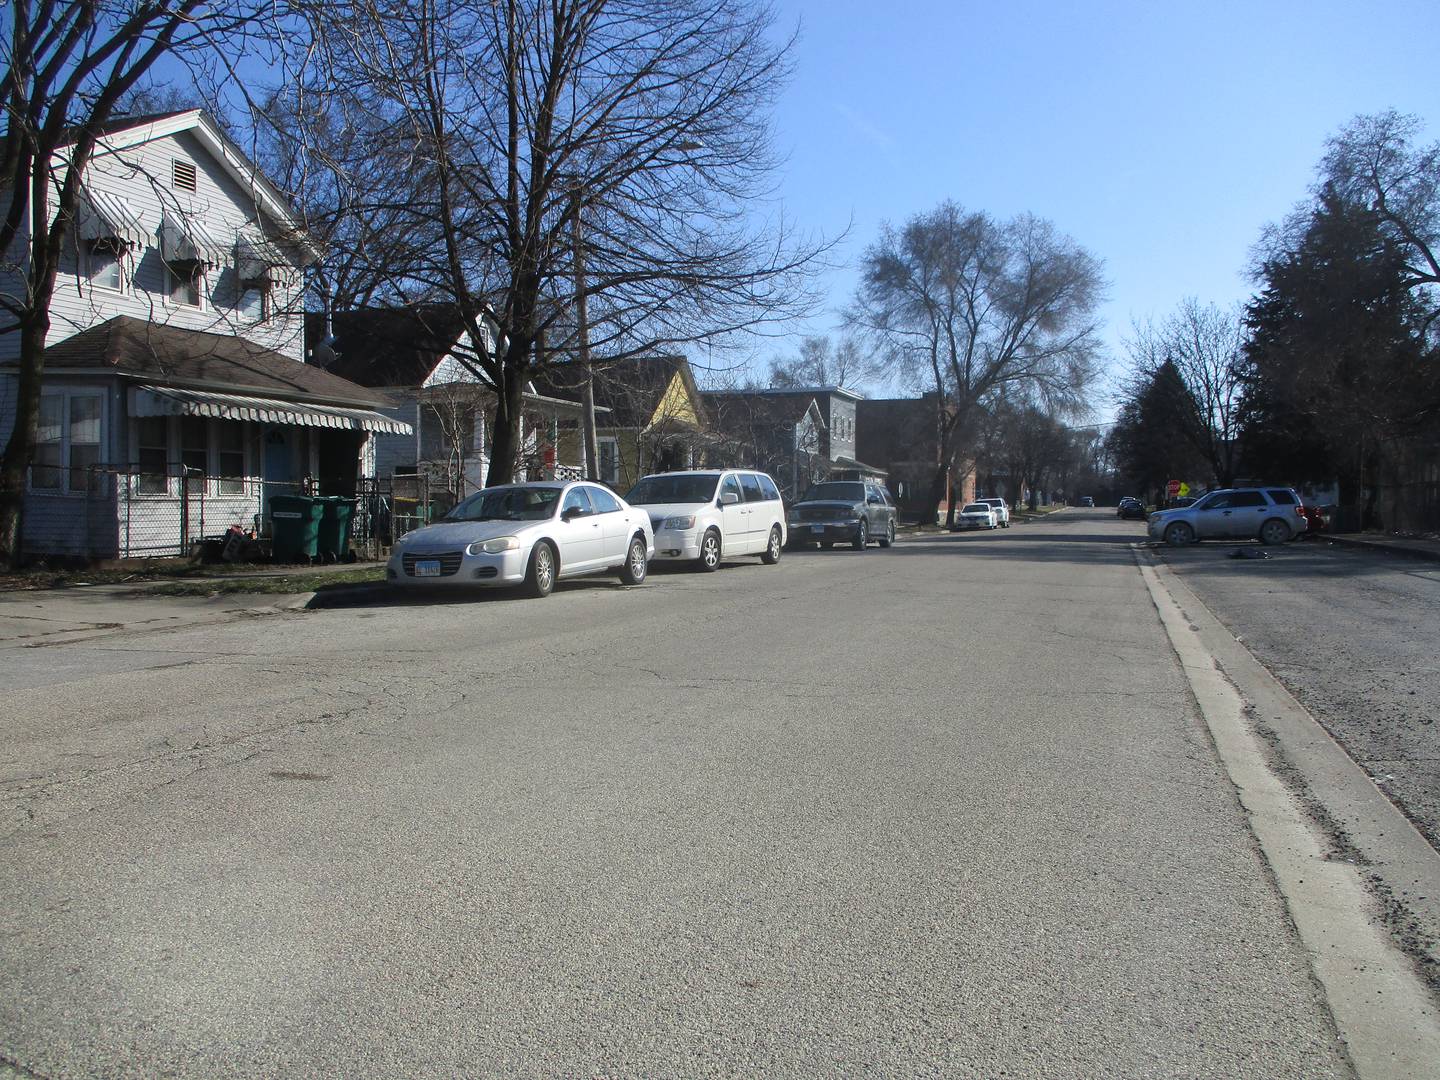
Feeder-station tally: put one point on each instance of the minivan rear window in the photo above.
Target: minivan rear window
(768, 487)
(750, 484)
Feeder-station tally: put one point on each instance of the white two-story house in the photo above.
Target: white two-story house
(176, 397)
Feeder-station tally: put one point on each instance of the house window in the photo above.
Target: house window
(230, 458)
(255, 303)
(609, 450)
(182, 175)
(194, 444)
(184, 281)
(152, 447)
(104, 265)
(67, 442)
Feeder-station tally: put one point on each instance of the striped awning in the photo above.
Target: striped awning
(106, 217)
(172, 401)
(186, 240)
(258, 260)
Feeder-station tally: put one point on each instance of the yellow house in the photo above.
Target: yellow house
(656, 420)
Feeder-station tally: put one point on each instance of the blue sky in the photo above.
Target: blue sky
(1162, 136)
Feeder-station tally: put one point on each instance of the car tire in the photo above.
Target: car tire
(1274, 532)
(862, 536)
(636, 564)
(1179, 534)
(540, 577)
(710, 552)
(889, 537)
(771, 555)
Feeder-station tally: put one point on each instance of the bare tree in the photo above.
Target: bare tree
(1205, 345)
(823, 363)
(978, 307)
(66, 66)
(503, 121)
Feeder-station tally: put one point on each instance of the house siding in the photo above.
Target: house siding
(141, 176)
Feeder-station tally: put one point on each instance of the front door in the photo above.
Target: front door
(733, 517)
(279, 469)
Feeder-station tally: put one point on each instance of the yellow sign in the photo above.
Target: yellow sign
(1184, 488)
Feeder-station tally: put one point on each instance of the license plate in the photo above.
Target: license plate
(427, 568)
(817, 528)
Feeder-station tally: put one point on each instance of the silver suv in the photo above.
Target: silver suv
(1271, 515)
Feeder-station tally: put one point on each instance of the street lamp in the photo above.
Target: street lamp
(582, 316)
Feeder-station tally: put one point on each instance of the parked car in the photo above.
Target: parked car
(703, 516)
(1131, 508)
(854, 512)
(527, 534)
(1002, 510)
(977, 515)
(1272, 515)
(1087, 501)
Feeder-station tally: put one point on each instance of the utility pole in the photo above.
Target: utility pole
(592, 443)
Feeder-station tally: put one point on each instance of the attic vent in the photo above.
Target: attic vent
(182, 174)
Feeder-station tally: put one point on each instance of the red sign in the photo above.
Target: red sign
(1172, 488)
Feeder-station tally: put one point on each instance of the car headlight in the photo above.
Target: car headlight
(494, 546)
(679, 522)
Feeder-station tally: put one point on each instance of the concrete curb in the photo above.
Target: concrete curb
(1384, 1012)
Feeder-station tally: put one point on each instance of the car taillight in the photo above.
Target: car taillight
(1299, 511)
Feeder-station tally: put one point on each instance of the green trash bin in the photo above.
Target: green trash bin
(333, 542)
(295, 528)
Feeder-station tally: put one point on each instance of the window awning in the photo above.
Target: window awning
(258, 260)
(172, 401)
(106, 217)
(185, 240)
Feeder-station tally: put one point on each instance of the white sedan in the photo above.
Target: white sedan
(530, 535)
(975, 516)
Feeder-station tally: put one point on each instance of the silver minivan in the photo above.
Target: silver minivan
(705, 515)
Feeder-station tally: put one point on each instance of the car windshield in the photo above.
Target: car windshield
(507, 504)
(976, 508)
(835, 490)
(673, 489)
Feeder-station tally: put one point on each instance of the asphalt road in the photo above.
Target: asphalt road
(1355, 636)
(946, 810)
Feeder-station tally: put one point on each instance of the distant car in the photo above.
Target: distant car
(1002, 510)
(1272, 515)
(1087, 501)
(977, 515)
(702, 516)
(854, 512)
(1131, 508)
(526, 534)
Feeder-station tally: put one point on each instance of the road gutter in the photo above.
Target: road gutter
(1389, 1021)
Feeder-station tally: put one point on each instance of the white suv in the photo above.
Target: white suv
(706, 515)
(1002, 510)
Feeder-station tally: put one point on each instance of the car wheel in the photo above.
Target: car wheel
(862, 537)
(710, 551)
(540, 579)
(1179, 534)
(772, 549)
(1274, 532)
(889, 537)
(633, 569)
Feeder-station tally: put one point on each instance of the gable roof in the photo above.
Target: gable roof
(631, 389)
(738, 411)
(387, 346)
(173, 356)
(125, 132)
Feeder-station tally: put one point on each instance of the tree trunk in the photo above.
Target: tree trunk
(506, 440)
(20, 449)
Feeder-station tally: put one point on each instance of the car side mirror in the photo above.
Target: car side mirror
(571, 513)
(728, 498)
